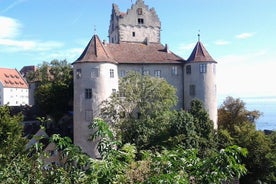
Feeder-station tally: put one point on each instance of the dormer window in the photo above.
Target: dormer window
(139, 11)
(140, 21)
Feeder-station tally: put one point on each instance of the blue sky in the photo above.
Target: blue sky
(239, 34)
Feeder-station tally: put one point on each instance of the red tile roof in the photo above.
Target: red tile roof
(11, 78)
(200, 54)
(95, 51)
(127, 53)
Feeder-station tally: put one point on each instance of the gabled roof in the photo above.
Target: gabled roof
(127, 52)
(143, 53)
(11, 78)
(200, 54)
(95, 52)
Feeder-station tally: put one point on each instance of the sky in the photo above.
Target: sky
(238, 34)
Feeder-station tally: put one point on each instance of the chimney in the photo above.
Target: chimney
(167, 48)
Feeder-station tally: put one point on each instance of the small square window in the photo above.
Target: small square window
(78, 73)
(88, 93)
(111, 73)
(139, 11)
(188, 69)
(146, 72)
(122, 73)
(174, 70)
(203, 68)
(192, 90)
(94, 72)
(140, 21)
(157, 73)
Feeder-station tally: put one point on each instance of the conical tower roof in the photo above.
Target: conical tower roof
(95, 52)
(200, 54)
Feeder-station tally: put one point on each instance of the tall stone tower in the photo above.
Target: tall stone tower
(95, 79)
(200, 80)
(138, 24)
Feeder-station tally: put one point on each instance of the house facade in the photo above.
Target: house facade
(14, 90)
(134, 45)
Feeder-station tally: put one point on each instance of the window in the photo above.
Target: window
(88, 93)
(203, 68)
(140, 21)
(94, 72)
(78, 73)
(157, 73)
(122, 73)
(188, 69)
(146, 72)
(192, 90)
(139, 11)
(174, 70)
(114, 91)
(111, 73)
(133, 34)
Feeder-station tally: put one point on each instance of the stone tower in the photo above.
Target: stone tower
(95, 79)
(138, 24)
(200, 80)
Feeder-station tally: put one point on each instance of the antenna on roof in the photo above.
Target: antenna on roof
(198, 35)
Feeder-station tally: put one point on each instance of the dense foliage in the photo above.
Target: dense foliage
(54, 91)
(237, 126)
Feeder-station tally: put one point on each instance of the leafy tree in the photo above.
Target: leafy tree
(141, 110)
(204, 127)
(11, 140)
(237, 126)
(234, 113)
(54, 93)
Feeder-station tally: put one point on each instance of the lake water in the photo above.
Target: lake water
(266, 105)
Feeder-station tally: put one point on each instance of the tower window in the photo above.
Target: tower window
(78, 73)
(94, 72)
(111, 73)
(133, 34)
(88, 93)
(188, 69)
(192, 90)
(203, 68)
(140, 21)
(139, 11)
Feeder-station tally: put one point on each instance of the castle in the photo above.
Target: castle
(134, 45)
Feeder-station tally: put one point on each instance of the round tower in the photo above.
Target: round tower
(200, 81)
(95, 79)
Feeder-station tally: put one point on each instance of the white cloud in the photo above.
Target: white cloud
(244, 35)
(12, 45)
(9, 27)
(10, 38)
(222, 42)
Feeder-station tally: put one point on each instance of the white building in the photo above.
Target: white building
(14, 90)
(134, 45)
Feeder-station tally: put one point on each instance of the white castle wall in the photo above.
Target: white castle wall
(85, 109)
(205, 87)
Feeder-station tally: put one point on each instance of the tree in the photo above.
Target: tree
(141, 110)
(204, 127)
(234, 113)
(54, 94)
(237, 126)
